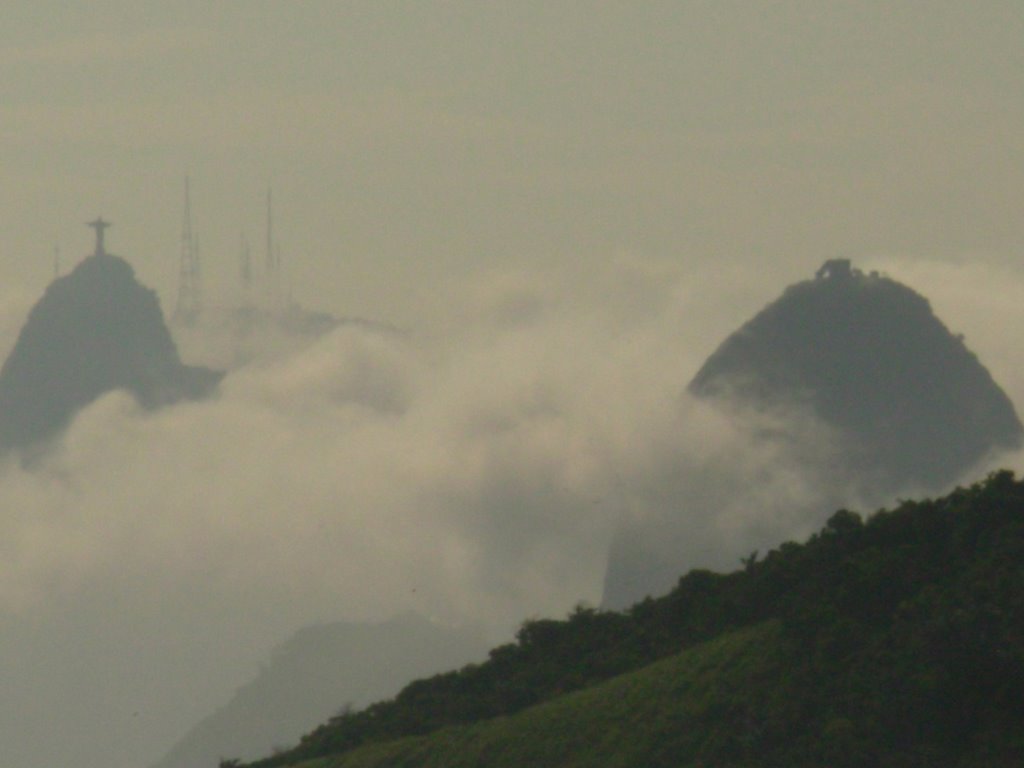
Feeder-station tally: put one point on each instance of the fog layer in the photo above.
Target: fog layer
(474, 472)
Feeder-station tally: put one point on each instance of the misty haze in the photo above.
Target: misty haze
(340, 340)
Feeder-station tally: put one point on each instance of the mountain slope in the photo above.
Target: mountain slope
(671, 702)
(898, 641)
(315, 674)
(94, 330)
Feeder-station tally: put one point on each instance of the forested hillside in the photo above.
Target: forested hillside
(896, 640)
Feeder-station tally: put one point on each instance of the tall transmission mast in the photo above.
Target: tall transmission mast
(273, 260)
(245, 269)
(190, 300)
(197, 276)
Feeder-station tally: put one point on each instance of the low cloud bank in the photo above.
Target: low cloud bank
(474, 470)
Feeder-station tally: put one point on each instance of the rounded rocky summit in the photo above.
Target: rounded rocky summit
(912, 406)
(95, 330)
(858, 388)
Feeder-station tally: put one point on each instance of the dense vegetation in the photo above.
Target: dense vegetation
(647, 718)
(894, 641)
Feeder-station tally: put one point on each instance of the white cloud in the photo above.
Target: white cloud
(475, 472)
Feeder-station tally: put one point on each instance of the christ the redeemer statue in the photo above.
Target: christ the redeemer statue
(99, 225)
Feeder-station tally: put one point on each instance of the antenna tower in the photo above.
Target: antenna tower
(245, 268)
(189, 276)
(273, 260)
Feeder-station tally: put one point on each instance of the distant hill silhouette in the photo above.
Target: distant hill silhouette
(94, 330)
(316, 673)
(910, 407)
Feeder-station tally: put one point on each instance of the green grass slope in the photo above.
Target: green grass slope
(646, 718)
(895, 641)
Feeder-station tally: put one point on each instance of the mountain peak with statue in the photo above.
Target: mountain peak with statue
(94, 330)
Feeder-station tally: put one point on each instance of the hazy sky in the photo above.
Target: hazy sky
(410, 142)
(567, 204)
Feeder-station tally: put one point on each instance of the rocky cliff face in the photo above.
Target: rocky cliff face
(908, 407)
(94, 330)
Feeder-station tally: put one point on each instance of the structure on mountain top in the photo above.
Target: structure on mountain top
(245, 269)
(100, 226)
(190, 293)
(836, 269)
(275, 294)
